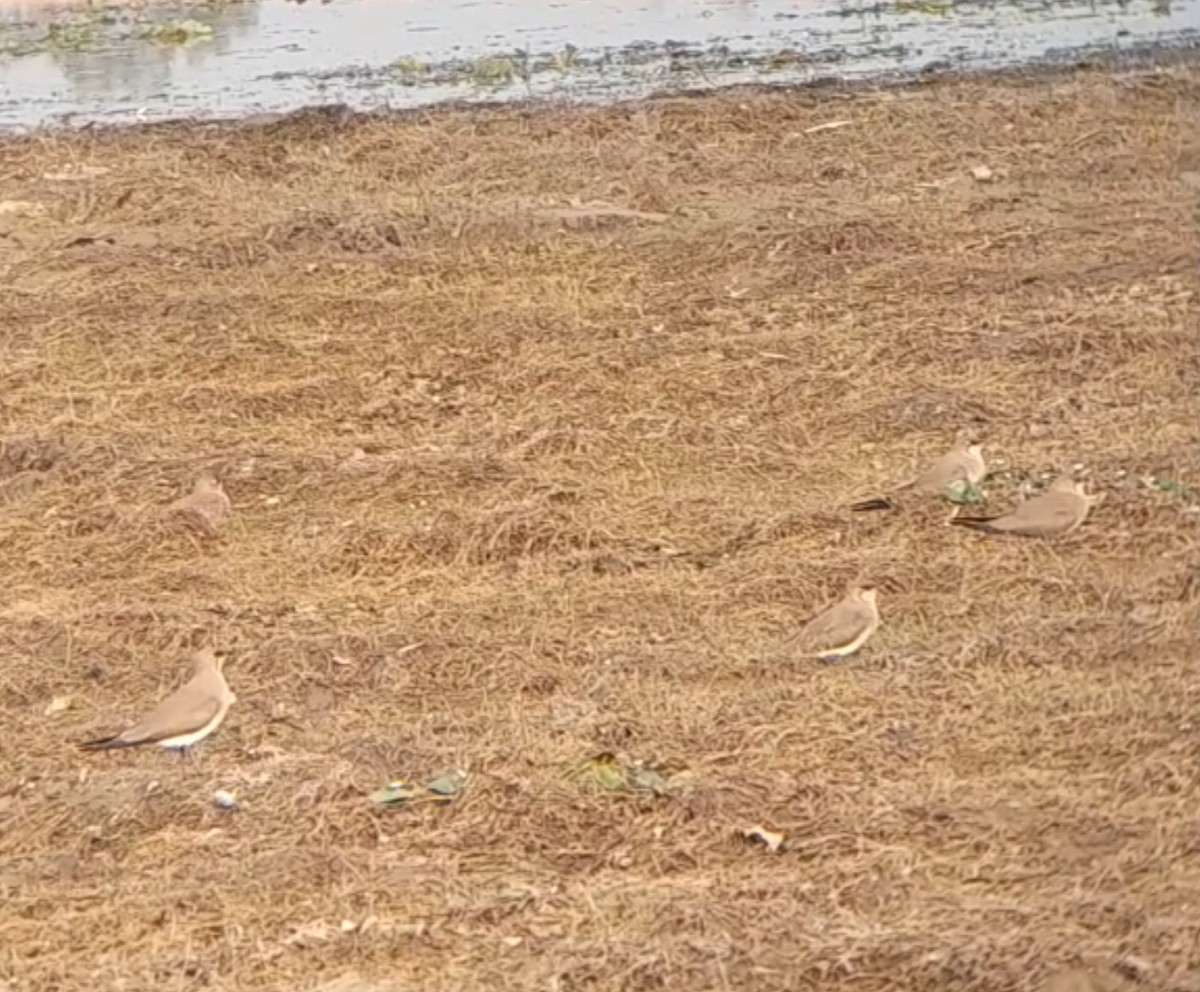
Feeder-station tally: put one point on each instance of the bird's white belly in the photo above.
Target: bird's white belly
(187, 740)
(854, 645)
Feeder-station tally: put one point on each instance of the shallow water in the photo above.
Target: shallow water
(61, 62)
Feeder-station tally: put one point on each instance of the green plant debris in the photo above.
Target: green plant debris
(494, 70)
(70, 36)
(649, 780)
(409, 70)
(443, 788)
(611, 774)
(185, 32)
(962, 493)
(1181, 490)
(924, 6)
(606, 771)
(565, 60)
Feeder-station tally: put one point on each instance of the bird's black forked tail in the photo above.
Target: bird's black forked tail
(104, 744)
(982, 524)
(879, 503)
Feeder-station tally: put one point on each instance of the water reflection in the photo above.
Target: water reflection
(102, 56)
(276, 55)
(111, 70)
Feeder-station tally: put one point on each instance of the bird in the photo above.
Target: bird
(205, 507)
(184, 718)
(843, 628)
(962, 463)
(1054, 513)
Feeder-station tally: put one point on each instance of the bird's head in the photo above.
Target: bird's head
(865, 593)
(1066, 483)
(207, 481)
(968, 438)
(210, 658)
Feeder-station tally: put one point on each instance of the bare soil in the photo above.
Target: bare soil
(540, 426)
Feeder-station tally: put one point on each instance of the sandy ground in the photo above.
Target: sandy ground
(540, 429)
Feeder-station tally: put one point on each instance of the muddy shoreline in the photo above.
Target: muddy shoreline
(1149, 58)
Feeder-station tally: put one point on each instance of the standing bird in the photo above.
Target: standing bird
(184, 718)
(1057, 511)
(205, 507)
(843, 628)
(962, 463)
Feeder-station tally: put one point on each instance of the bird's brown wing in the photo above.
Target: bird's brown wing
(835, 628)
(948, 469)
(984, 524)
(1050, 514)
(183, 712)
(878, 503)
(203, 511)
(1042, 516)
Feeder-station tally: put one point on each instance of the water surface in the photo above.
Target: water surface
(63, 62)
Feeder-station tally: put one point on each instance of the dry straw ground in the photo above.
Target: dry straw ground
(602, 462)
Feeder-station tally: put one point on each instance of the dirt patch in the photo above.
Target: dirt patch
(539, 429)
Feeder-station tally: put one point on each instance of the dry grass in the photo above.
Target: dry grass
(605, 464)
